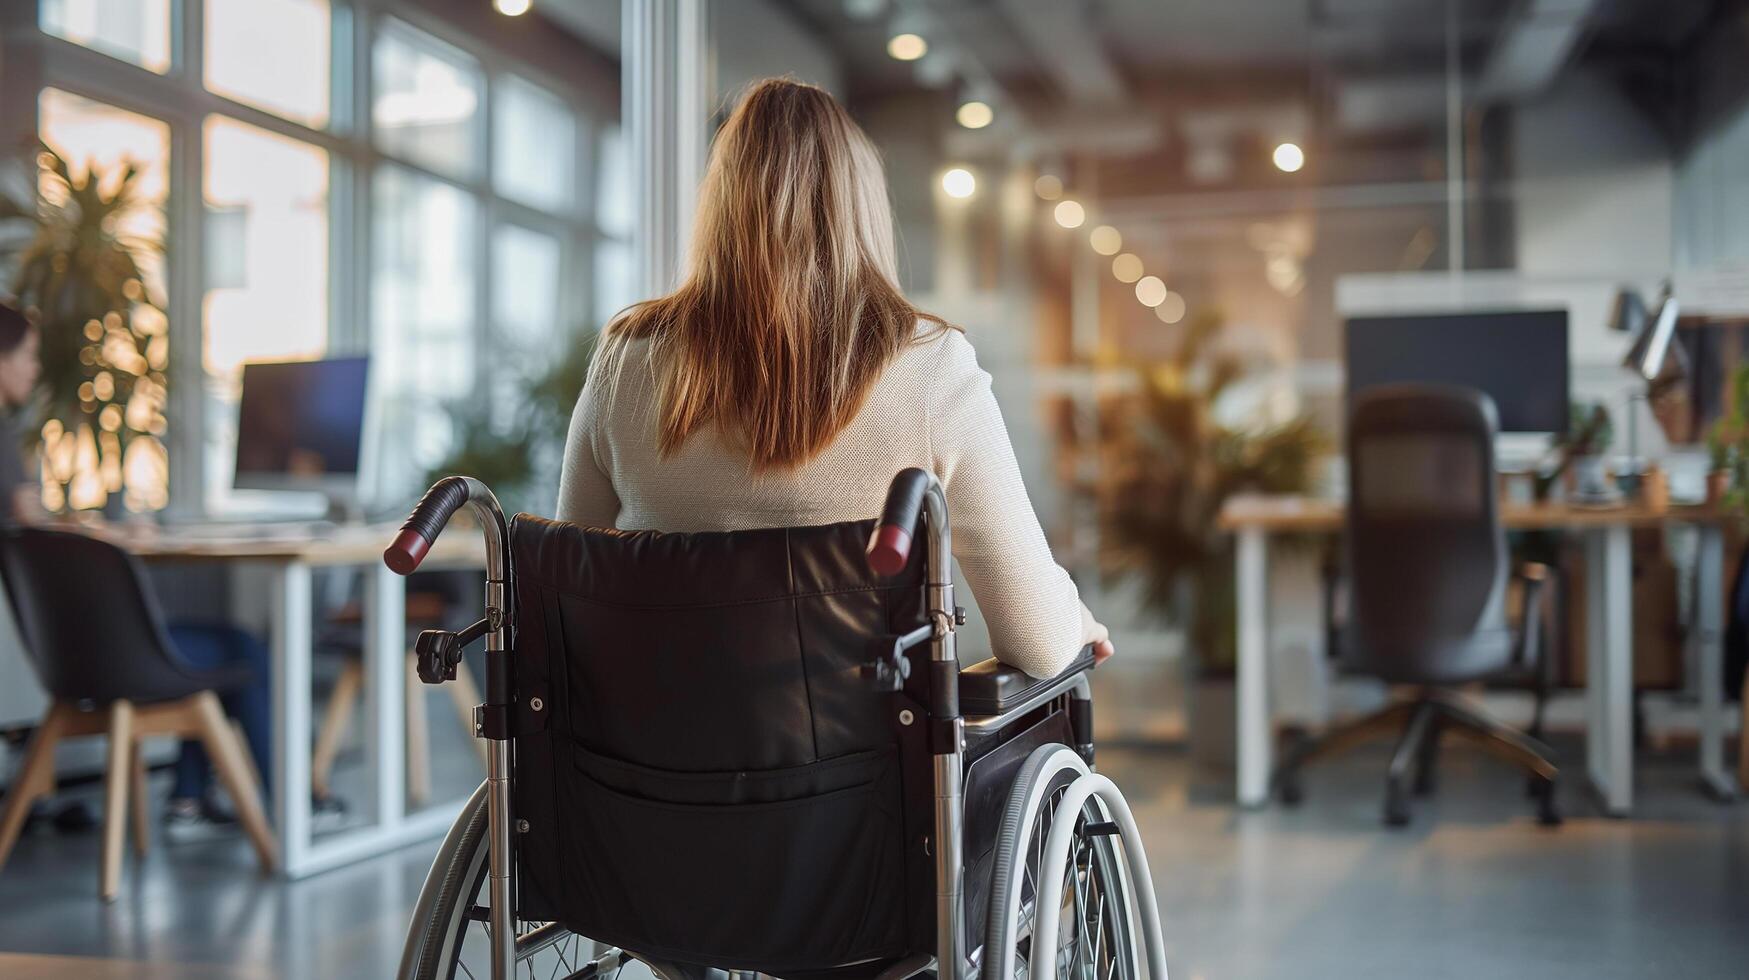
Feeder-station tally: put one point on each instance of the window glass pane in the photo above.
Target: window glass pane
(266, 200)
(120, 448)
(534, 145)
(613, 279)
(137, 31)
(427, 102)
(272, 54)
(525, 287)
(422, 308)
(613, 186)
(96, 135)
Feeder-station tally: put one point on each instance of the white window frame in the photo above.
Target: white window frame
(179, 99)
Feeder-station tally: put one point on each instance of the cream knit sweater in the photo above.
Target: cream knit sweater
(932, 407)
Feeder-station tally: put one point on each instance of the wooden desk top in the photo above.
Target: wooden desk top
(1318, 515)
(348, 544)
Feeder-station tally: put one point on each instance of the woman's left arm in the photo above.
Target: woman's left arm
(586, 494)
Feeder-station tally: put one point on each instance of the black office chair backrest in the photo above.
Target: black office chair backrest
(708, 776)
(1425, 552)
(90, 626)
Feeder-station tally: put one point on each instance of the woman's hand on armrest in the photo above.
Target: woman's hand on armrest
(1095, 633)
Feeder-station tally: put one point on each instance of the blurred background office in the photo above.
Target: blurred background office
(290, 258)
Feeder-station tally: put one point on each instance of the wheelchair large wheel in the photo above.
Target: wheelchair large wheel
(1058, 848)
(449, 937)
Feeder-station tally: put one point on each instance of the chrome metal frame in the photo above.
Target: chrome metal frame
(501, 860)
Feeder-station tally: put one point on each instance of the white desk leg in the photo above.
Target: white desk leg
(289, 583)
(1254, 735)
(1709, 629)
(385, 658)
(1595, 687)
(1609, 649)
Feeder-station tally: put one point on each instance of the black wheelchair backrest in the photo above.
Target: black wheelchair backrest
(698, 744)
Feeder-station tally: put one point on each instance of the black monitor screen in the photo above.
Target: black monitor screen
(300, 420)
(1519, 359)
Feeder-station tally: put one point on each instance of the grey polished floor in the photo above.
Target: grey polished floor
(1473, 889)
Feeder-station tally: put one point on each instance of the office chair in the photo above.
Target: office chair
(92, 631)
(1426, 561)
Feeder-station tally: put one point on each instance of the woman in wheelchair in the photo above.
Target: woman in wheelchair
(728, 726)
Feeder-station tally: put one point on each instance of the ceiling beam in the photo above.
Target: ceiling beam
(1058, 32)
(1533, 48)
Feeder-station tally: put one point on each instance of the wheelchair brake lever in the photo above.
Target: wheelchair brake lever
(437, 652)
(891, 668)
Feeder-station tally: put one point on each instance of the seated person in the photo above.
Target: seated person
(191, 813)
(788, 379)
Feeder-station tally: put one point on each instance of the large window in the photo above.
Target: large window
(422, 308)
(266, 248)
(442, 249)
(136, 31)
(271, 54)
(534, 146)
(427, 102)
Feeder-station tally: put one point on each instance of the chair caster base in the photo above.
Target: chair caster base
(1396, 806)
(1548, 814)
(1290, 792)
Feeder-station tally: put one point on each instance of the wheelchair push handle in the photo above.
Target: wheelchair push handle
(889, 548)
(421, 528)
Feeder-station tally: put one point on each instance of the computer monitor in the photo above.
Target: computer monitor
(300, 426)
(1518, 358)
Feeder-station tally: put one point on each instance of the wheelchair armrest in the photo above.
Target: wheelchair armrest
(991, 687)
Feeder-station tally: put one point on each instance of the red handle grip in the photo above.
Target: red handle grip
(889, 547)
(430, 514)
(407, 551)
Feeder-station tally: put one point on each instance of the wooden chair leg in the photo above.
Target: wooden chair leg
(230, 760)
(418, 738)
(117, 773)
(334, 724)
(464, 695)
(140, 799)
(36, 773)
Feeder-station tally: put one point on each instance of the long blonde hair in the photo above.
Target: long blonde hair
(790, 308)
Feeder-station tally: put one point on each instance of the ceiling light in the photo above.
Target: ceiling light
(512, 8)
(1048, 186)
(907, 47)
(1151, 291)
(1070, 214)
(959, 182)
(975, 114)
(1105, 240)
(1289, 158)
(1172, 310)
(1127, 267)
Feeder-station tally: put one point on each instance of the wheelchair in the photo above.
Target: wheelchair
(755, 752)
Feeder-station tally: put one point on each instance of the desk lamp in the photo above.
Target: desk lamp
(1654, 356)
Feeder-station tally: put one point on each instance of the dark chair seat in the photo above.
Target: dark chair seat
(118, 649)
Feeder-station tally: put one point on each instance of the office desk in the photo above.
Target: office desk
(287, 557)
(1609, 630)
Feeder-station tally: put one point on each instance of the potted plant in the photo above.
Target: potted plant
(1589, 435)
(1721, 454)
(518, 446)
(1172, 463)
(105, 346)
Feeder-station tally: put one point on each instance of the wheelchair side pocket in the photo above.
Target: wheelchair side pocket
(768, 870)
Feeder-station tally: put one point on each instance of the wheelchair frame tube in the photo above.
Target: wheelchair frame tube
(948, 741)
(500, 859)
